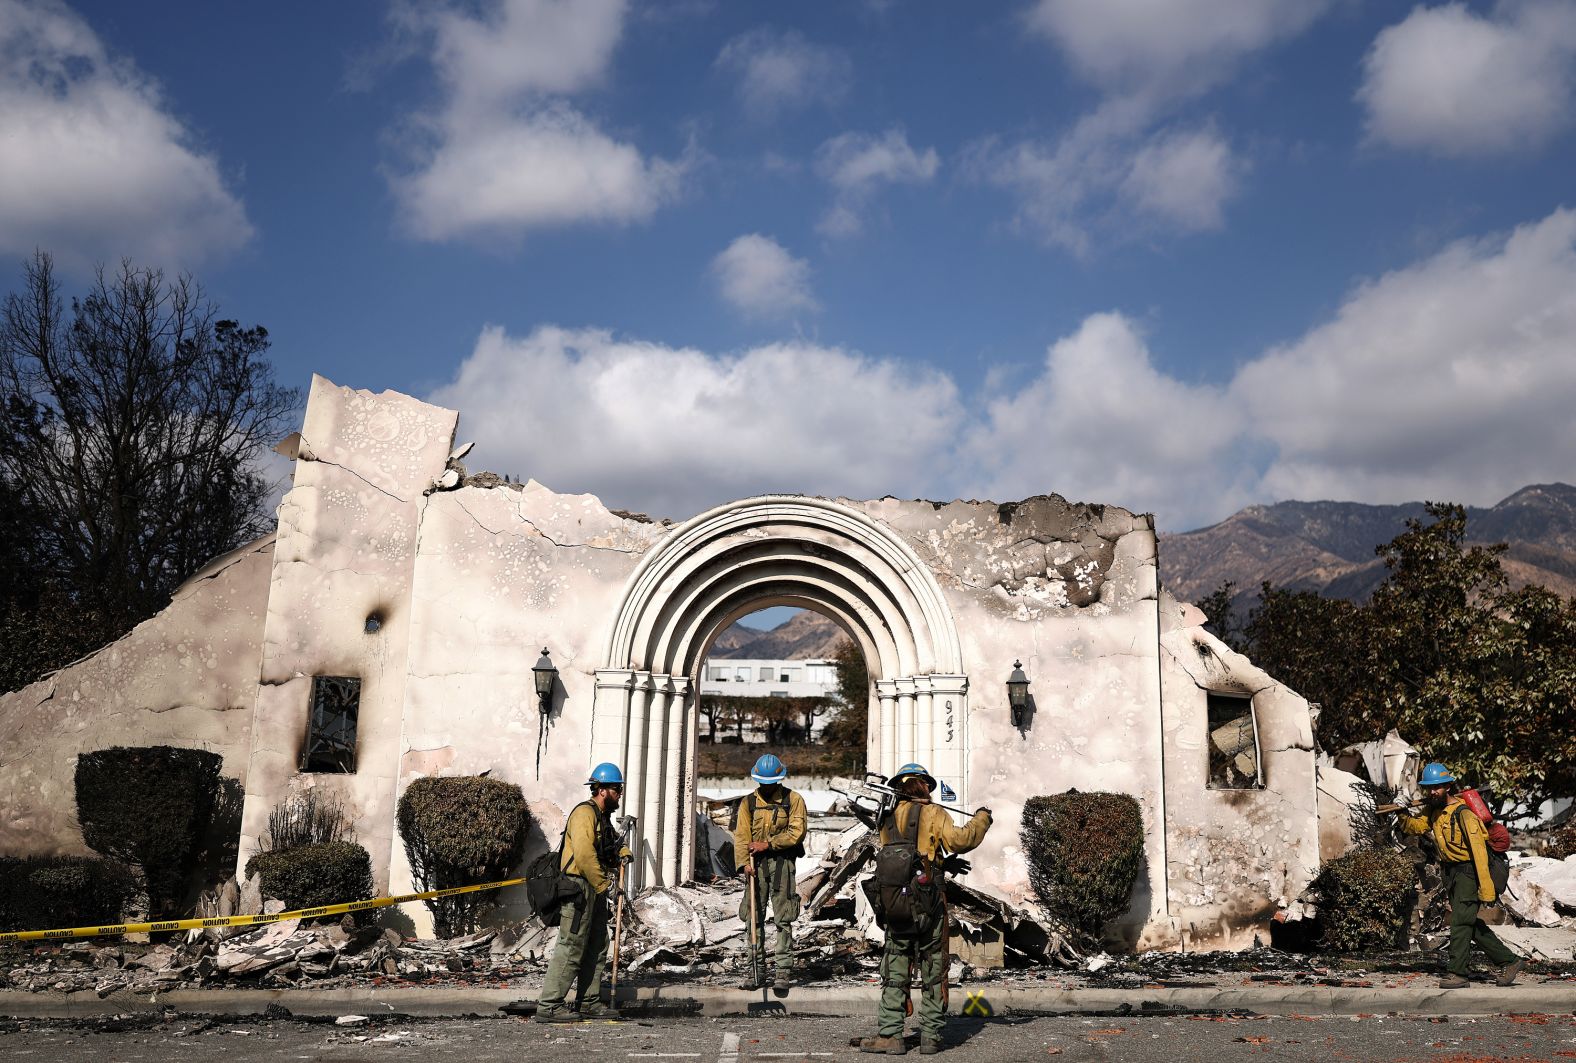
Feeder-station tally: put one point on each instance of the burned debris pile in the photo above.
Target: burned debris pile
(691, 932)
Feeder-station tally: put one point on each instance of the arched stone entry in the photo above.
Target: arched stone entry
(723, 564)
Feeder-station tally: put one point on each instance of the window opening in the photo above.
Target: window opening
(331, 725)
(1233, 744)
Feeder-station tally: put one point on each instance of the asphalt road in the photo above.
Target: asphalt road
(1514, 1039)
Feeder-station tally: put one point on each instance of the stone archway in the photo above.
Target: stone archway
(773, 550)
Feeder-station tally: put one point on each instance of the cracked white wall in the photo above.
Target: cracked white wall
(501, 573)
(1071, 591)
(469, 584)
(1236, 856)
(186, 677)
(346, 550)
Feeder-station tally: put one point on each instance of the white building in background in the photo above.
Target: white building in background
(814, 677)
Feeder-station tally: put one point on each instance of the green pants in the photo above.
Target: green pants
(580, 957)
(774, 878)
(1466, 928)
(896, 964)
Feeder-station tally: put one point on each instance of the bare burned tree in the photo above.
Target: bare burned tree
(130, 433)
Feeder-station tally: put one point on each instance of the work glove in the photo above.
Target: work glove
(956, 865)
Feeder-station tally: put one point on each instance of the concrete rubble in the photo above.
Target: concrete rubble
(693, 933)
(688, 931)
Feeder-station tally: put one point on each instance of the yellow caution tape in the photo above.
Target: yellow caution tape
(245, 920)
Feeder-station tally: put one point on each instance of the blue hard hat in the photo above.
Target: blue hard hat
(912, 769)
(606, 775)
(768, 769)
(1435, 775)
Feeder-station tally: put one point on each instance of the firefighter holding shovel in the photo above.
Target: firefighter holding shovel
(768, 839)
(592, 853)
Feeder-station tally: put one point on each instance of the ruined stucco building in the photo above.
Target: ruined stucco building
(389, 629)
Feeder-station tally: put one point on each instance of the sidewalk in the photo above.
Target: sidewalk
(1550, 997)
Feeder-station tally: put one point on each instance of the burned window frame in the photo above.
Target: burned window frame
(334, 708)
(1220, 769)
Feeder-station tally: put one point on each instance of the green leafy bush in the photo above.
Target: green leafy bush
(1365, 900)
(460, 831)
(52, 892)
(1084, 853)
(150, 806)
(314, 875)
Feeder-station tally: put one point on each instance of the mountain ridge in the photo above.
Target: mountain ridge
(1329, 546)
(804, 635)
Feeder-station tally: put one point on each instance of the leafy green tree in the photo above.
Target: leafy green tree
(1478, 676)
(1223, 623)
(1317, 646)
(848, 727)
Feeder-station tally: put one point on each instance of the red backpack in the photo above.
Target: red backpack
(1498, 835)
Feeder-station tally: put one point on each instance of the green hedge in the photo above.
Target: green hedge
(314, 875)
(150, 806)
(460, 831)
(52, 892)
(1365, 900)
(1084, 853)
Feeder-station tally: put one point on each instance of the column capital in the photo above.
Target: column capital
(905, 686)
(615, 678)
(886, 688)
(949, 684)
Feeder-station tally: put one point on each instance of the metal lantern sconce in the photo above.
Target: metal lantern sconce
(1018, 695)
(546, 675)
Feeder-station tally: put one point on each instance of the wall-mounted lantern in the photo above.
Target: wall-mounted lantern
(1018, 695)
(546, 676)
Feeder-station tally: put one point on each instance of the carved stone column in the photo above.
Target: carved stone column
(886, 694)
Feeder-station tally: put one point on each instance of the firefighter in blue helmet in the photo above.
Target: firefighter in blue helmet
(592, 854)
(916, 931)
(1462, 843)
(768, 839)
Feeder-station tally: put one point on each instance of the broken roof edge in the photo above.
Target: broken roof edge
(223, 561)
(385, 394)
(1007, 509)
(1096, 511)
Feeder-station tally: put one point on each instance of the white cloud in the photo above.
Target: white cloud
(1183, 177)
(506, 152)
(1129, 168)
(672, 431)
(759, 277)
(519, 172)
(528, 46)
(92, 164)
(1453, 378)
(1111, 177)
(1449, 379)
(1101, 423)
(857, 161)
(1449, 81)
(857, 165)
(781, 71)
(1166, 45)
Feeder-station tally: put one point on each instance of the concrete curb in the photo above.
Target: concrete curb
(841, 1001)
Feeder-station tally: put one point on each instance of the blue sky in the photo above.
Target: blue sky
(1178, 256)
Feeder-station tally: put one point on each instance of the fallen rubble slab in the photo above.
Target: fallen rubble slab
(1551, 997)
